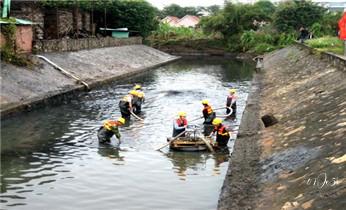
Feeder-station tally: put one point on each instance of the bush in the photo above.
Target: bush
(168, 33)
(263, 48)
(324, 42)
(248, 40)
(286, 39)
(327, 44)
(316, 30)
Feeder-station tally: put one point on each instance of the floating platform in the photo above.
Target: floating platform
(188, 144)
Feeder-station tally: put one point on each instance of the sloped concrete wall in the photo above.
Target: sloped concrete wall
(298, 163)
(23, 88)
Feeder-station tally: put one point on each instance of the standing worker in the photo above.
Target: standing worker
(110, 128)
(231, 102)
(138, 100)
(125, 104)
(209, 116)
(179, 124)
(222, 135)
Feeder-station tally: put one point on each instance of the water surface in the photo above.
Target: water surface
(50, 158)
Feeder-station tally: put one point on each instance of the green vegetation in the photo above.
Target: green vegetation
(178, 11)
(327, 44)
(256, 28)
(166, 33)
(185, 37)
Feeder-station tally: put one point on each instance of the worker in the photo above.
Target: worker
(231, 102)
(110, 128)
(209, 116)
(138, 100)
(222, 135)
(180, 124)
(125, 104)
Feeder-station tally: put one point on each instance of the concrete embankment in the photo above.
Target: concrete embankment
(23, 89)
(300, 162)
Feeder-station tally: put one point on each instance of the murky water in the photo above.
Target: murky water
(50, 158)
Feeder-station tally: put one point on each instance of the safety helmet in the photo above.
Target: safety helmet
(121, 120)
(232, 90)
(133, 92)
(217, 121)
(205, 101)
(182, 114)
(137, 87)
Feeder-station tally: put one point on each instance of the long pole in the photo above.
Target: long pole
(172, 140)
(133, 114)
(344, 47)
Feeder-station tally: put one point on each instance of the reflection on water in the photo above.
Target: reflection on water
(187, 163)
(50, 158)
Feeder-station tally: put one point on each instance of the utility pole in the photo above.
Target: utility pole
(6, 8)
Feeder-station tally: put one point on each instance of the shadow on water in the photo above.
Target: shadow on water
(187, 163)
(54, 150)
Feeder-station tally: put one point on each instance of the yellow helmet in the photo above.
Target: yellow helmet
(217, 121)
(182, 114)
(232, 90)
(133, 92)
(205, 101)
(137, 87)
(121, 120)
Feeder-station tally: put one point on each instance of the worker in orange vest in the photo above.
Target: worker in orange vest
(110, 128)
(222, 135)
(209, 116)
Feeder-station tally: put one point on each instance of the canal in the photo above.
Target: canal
(50, 158)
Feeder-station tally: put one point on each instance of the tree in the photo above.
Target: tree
(292, 15)
(178, 11)
(213, 9)
(136, 15)
(265, 7)
(173, 10)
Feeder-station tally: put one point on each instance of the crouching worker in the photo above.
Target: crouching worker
(138, 99)
(110, 128)
(179, 124)
(222, 135)
(126, 103)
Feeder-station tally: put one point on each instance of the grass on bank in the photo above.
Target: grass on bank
(327, 44)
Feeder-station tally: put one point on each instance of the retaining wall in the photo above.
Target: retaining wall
(63, 45)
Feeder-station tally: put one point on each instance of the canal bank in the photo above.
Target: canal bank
(24, 89)
(298, 163)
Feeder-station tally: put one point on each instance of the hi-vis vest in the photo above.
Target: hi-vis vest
(127, 98)
(208, 110)
(181, 122)
(109, 124)
(222, 131)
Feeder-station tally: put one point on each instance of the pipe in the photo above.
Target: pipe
(64, 71)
